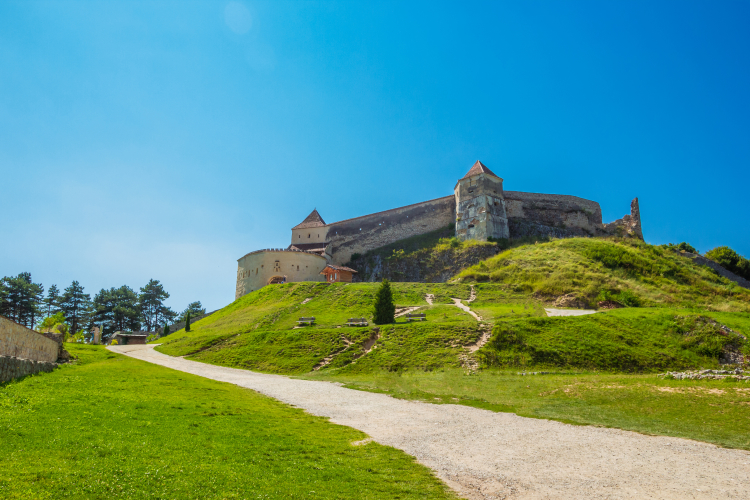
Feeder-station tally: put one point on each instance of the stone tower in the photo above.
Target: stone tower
(480, 205)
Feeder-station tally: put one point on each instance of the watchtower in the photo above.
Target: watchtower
(480, 205)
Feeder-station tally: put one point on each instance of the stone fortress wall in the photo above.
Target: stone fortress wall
(536, 214)
(479, 209)
(256, 269)
(364, 233)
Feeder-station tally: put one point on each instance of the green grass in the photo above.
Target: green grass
(711, 411)
(629, 340)
(589, 267)
(115, 427)
(258, 331)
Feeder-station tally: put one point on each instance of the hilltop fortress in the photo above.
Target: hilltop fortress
(479, 208)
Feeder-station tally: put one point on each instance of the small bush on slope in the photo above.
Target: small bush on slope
(588, 266)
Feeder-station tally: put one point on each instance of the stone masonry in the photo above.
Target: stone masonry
(25, 352)
(20, 342)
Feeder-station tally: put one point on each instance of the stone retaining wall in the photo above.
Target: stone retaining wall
(12, 367)
(703, 261)
(20, 342)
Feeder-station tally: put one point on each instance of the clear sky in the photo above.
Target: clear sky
(167, 139)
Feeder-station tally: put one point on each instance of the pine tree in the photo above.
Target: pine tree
(151, 300)
(76, 306)
(166, 330)
(52, 300)
(187, 322)
(384, 311)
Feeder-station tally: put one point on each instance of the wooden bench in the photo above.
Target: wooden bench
(356, 322)
(306, 321)
(416, 317)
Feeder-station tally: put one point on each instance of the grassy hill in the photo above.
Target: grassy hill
(678, 324)
(628, 271)
(258, 330)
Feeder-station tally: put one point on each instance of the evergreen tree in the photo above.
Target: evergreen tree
(166, 330)
(52, 301)
(195, 308)
(187, 322)
(151, 300)
(21, 299)
(117, 309)
(384, 310)
(76, 306)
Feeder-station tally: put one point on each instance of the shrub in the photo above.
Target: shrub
(384, 309)
(681, 247)
(187, 322)
(166, 331)
(114, 342)
(730, 260)
(624, 297)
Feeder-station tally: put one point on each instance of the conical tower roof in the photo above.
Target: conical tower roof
(312, 220)
(479, 168)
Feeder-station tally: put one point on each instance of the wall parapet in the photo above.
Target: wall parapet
(278, 250)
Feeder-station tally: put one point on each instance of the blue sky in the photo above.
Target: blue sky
(165, 140)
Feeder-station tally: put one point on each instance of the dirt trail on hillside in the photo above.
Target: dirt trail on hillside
(485, 455)
(569, 312)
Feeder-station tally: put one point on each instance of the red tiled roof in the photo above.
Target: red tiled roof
(478, 168)
(338, 268)
(312, 220)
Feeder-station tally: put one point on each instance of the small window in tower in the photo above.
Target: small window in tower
(308, 235)
(299, 236)
(297, 268)
(471, 226)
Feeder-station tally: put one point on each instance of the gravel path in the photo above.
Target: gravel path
(483, 455)
(569, 312)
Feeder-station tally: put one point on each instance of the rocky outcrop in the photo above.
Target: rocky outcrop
(422, 266)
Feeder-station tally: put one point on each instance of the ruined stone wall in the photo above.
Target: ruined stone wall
(629, 225)
(365, 233)
(255, 269)
(20, 342)
(536, 214)
(12, 367)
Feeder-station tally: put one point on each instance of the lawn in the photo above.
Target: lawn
(114, 427)
(712, 411)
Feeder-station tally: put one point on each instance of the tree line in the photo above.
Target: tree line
(114, 309)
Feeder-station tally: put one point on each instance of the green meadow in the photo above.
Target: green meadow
(114, 427)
